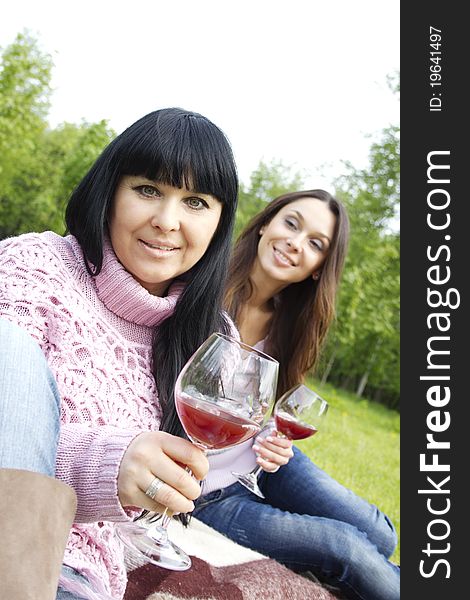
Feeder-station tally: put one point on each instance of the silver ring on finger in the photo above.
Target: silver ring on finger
(153, 488)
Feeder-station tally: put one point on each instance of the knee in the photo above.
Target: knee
(24, 372)
(30, 403)
(347, 549)
(17, 343)
(371, 574)
(389, 539)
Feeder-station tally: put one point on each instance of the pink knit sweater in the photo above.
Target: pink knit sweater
(96, 334)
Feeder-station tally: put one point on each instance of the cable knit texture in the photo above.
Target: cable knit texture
(96, 333)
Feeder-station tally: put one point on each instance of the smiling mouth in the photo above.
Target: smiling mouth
(283, 258)
(159, 246)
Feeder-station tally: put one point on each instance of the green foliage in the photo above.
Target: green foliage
(374, 193)
(266, 183)
(363, 348)
(24, 86)
(70, 150)
(359, 445)
(39, 166)
(24, 101)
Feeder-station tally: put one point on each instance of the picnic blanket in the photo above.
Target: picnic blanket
(221, 570)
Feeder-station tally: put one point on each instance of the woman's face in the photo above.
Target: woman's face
(295, 243)
(159, 232)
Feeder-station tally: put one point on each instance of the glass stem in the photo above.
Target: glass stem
(158, 526)
(166, 519)
(154, 517)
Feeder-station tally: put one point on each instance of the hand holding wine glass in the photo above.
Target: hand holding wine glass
(152, 476)
(223, 396)
(297, 415)
(159, 454)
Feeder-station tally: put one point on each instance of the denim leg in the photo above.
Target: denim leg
(29, 404)
(335, 551)
(302, 487)
(74, 577)
(64, 595)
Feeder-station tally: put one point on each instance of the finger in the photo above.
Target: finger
(185, 453)
(267, 465)
(283, 450)
(133, 494)
(174, 475)
(151, 454)
(176, 503)
(279, 457)
(280, 441)
(165, 497)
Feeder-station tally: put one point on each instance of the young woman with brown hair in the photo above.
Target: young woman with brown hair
(281, 292)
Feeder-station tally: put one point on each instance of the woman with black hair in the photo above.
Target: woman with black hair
(95, 327)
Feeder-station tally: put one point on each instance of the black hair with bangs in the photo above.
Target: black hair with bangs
(178, 148)
(172, 145)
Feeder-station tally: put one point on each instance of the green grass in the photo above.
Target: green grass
(359, 445)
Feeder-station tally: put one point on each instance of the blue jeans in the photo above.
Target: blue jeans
(29, 409)
(310, 522)
(29, 404)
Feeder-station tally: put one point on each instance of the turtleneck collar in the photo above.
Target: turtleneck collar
(126, 298)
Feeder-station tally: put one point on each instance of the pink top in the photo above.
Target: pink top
(96, 334)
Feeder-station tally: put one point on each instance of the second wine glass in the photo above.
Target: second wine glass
(297, 415)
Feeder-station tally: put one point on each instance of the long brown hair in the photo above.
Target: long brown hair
(303, 311)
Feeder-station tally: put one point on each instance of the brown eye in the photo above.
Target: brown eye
(317, 244)
(291, 224)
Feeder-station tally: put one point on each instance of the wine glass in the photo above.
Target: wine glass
(223, 396)
(297, 415)
(225, 392)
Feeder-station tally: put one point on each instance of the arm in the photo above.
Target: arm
(88, 460)
(110, 468)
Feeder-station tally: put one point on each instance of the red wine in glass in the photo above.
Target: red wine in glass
(292, 429)
(299, 413)
(210, 426)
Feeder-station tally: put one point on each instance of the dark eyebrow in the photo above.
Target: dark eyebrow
(301, 218)
(157, 182)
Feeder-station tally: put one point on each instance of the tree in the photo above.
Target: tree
(363, 349)
(266, 183)
(69, 151)
(39, 166)
(24, 103)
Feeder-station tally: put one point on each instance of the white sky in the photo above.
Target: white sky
(301, 81)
